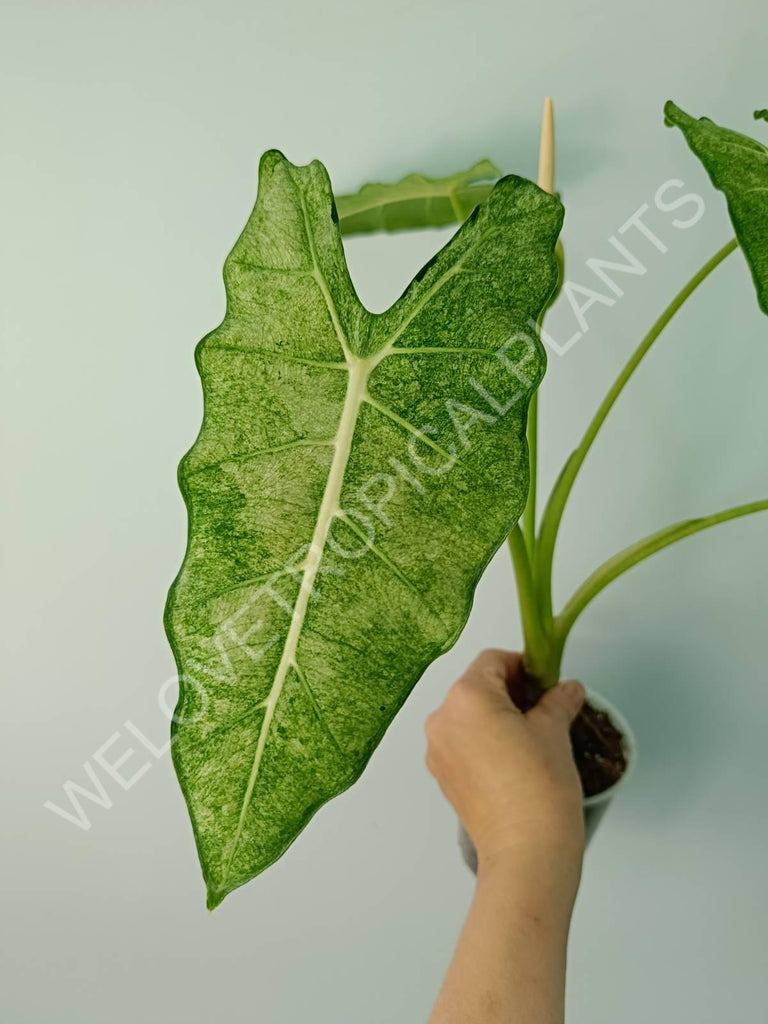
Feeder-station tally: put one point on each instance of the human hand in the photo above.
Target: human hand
(510, 776)
(513, 782)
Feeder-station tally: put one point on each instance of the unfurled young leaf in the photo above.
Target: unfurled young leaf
(738, 166)
(353, 476)
(417, 201)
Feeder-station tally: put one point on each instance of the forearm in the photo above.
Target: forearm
(509, 965)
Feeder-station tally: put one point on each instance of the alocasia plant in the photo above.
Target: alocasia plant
(355, 473)
(353, 476)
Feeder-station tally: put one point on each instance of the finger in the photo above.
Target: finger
(494, 659)
(493, 671)
(562, 703)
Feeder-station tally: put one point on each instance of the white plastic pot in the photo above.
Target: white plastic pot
(594, 806)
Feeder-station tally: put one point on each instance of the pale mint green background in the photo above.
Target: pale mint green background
(130, 137)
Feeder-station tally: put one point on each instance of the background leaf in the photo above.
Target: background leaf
(417, 201)
(738, 166)
(328, 431)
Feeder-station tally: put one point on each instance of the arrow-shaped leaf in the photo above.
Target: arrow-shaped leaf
(352, 478)
(417, 201)
(738, 166)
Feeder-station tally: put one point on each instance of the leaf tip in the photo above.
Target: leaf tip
(761, 115)
(270, 159)
(673, 115)
(483, 169)
(214, 898)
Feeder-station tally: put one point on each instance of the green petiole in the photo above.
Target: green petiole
(624, 560)
(553, 514)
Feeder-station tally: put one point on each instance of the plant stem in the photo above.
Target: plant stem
(538, 648)
(553, 513)
(643, 549)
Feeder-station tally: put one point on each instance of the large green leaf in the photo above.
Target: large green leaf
(353, 476)
(416, 201)
(738, 166)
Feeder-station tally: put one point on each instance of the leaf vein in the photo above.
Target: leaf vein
(316, 707)
(407, 425)
(261, 452)
(391, 565)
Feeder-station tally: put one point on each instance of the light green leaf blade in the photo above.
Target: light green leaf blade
(738, 166)
(334, 541)
(416, 201)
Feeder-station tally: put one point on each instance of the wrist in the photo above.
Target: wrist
(542, 840)
(541, 871)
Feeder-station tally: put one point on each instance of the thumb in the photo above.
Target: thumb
(561, 704)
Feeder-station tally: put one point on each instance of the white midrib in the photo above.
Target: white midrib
(359, 370)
